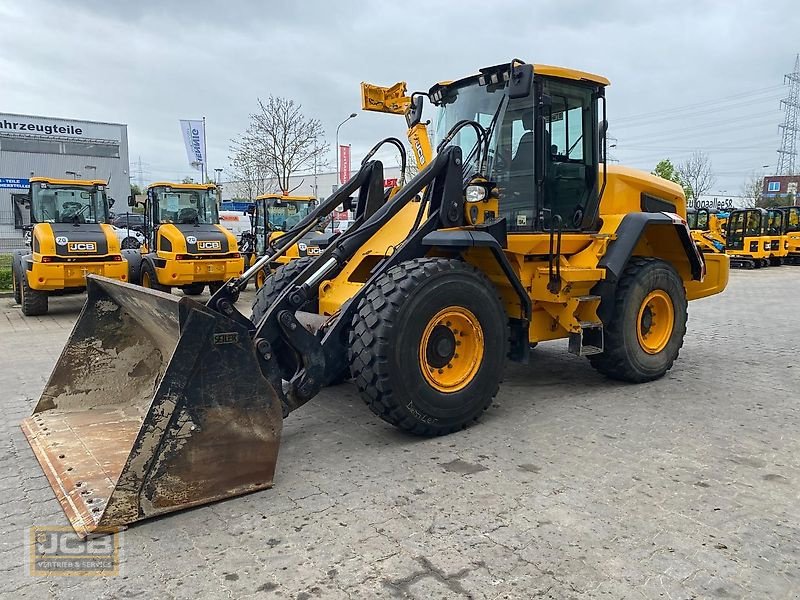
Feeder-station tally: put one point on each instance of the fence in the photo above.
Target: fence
(10, 238)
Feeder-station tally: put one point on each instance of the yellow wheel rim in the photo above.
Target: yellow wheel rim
(260, 279)
(451, 349)
(656, 322)
(146, 280)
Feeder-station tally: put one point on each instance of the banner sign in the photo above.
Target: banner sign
(390, 183)
(14, 184)
(194, 139)
(344, 164)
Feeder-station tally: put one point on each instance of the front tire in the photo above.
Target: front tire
(428, 345)
(647, 325)
(15, 284)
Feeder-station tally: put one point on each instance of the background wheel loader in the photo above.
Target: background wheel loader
(185, 247)
(516, 232)
(70, 238)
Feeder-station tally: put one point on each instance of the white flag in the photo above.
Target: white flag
(194, 138)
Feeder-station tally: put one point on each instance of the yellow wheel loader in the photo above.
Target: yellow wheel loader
(516, 232)
(792, 228)
(707, 229)
(70, 237)
(746, 239)
(275, 216)
(185, 246)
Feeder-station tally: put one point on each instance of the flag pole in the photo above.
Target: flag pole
(205, 153)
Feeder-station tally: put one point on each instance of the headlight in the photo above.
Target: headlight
(475, 193)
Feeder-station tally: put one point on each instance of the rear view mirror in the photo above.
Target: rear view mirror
(251, 210)
(131, 201)
(347, 203)
(520, 81)
(110, 202)
(414, 114)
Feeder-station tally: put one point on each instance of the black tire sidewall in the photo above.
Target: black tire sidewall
(655, 276)
(421, 401)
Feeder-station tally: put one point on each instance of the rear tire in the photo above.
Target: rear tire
(149, 278)
(405, 341)
(193, 290)
(130, 243)
(648, 323)
(33, 302)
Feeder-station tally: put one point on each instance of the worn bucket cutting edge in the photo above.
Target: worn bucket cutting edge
(156, 404)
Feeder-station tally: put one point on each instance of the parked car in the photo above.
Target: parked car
(129, 221)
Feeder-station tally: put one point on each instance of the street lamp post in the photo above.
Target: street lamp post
(338, 174)
(218, 173)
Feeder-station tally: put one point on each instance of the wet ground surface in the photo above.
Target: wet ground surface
(571, 486)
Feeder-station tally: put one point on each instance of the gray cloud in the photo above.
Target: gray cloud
(151, 63)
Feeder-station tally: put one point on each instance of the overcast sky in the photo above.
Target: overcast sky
(685, 75)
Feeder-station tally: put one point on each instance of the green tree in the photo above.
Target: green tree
(136, 190)
(666, 170)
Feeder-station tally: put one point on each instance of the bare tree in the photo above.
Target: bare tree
(752, 191)
(280, 142)
(249, 176)
(696, 175)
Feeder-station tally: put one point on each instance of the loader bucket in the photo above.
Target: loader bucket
(156, 404)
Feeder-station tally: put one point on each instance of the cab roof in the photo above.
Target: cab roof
(279, 196)
(550, 71)
(183, 186)
(82, 182)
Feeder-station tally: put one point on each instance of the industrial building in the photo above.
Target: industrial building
(55, 147)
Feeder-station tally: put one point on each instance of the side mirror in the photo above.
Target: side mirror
(251, 210)
(347, 203)
(131, 201)
(110, 202)
(521, 80)
(414, 114)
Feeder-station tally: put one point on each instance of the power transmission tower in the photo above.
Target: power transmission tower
(791, 103)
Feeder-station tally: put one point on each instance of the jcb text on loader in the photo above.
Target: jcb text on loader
(516, 232)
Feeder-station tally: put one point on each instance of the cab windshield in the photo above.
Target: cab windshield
(68, 203)
(793, 219)
(470, 102)
(196, 207)
(285, 214)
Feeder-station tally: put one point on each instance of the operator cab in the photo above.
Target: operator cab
(698, 219)
(544, 147)
(746, 223)
(67, 201)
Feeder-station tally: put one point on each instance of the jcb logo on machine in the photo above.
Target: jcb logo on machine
(209, 245)
(226, 338)
(314, 250)
(82, 247)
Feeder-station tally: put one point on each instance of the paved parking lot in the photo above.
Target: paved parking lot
(572, 486)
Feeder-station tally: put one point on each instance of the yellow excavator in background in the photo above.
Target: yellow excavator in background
(70, 238)
(777, 236)
(792, 223)
(185, 246)
(746, 240)
(517, 231)
(708, 229)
